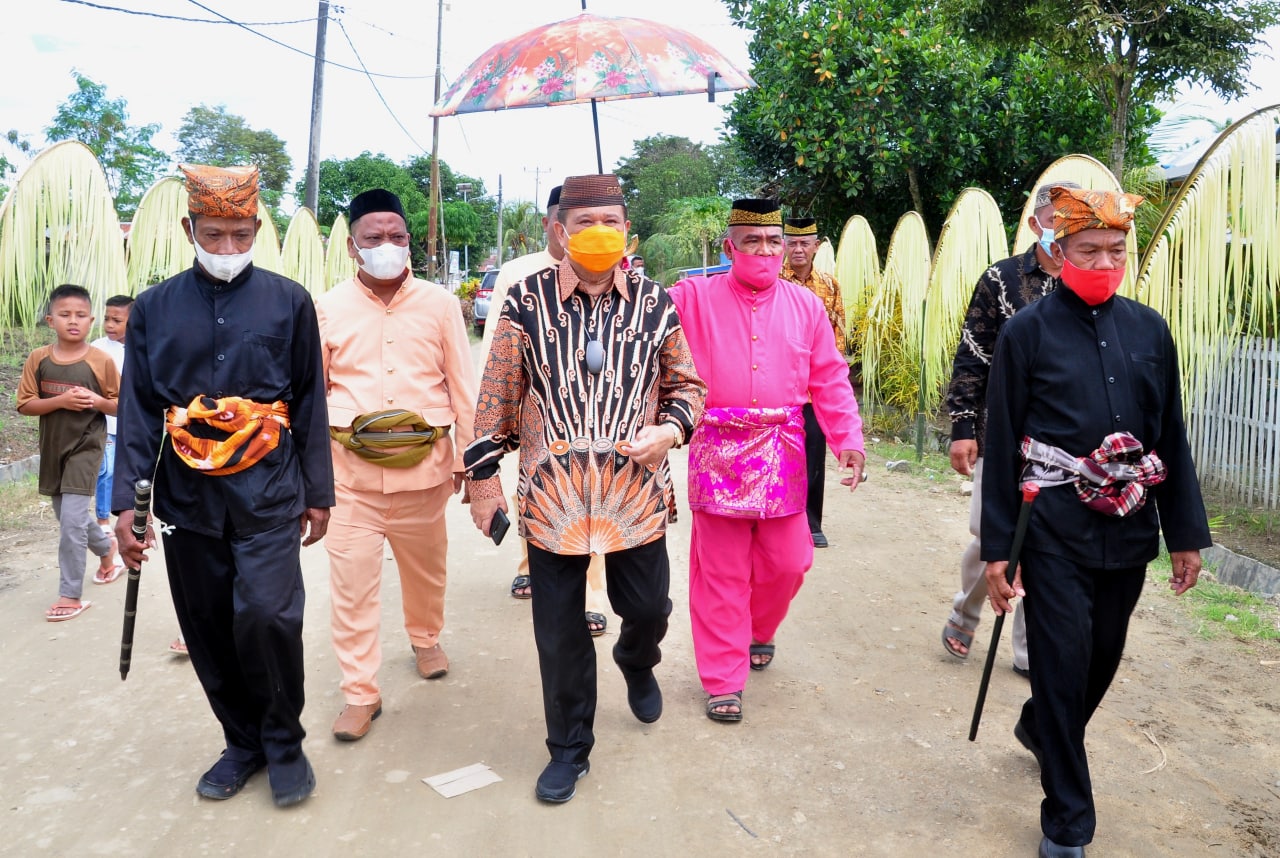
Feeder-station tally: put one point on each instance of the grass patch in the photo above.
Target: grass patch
(1221, 609)
(21, 505)
(934, 468)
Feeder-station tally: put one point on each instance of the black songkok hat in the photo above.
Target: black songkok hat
(800, 226)
(376, 200)
(553, 198)
(753, 212)
(584, 192)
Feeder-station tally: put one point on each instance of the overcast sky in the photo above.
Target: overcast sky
(164, 67)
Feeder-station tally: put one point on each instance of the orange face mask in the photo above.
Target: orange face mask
(597, 248)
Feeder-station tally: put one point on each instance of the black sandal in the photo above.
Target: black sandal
(762, 650)
(594, 619)
(732, 699)
(521, 582)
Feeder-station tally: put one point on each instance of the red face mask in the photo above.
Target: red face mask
(1093, 286)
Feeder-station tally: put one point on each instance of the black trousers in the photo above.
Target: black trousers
(815, 458)
(239, 600)
(638, 580)
(1077, 620)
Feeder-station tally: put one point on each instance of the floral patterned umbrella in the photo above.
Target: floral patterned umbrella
(590, 58)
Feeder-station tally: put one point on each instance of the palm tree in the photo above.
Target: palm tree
(686, 229)
(522, 229)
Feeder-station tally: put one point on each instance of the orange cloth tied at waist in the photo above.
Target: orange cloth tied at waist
(253, 431)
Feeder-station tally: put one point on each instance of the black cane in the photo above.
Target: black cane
(1029, 492)
(141, 509)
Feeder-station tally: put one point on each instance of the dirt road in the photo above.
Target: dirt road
(854, 743)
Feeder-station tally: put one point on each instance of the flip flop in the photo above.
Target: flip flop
(594, 619)
(74, 612)
(959, 634)
(521, 582)
(178, 647)
(111, 574)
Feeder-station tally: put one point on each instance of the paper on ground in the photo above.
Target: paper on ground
(462, 780)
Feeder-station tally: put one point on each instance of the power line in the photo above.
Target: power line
(374, 84)
(223, 19)
(181, 18)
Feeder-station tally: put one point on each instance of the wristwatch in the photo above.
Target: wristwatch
(678, 433)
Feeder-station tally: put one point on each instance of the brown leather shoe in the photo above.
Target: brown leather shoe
(432, 662)
(355, 721)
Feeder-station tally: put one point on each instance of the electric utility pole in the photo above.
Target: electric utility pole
(433, 215)
(537, 176)
(311, 188)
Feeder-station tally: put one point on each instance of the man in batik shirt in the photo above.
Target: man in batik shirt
(800, 235)
(591, 379)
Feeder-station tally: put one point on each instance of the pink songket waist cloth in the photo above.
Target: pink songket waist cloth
(748, 462)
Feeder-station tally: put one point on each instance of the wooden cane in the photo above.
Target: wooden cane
(1029, 493)
(141, 509)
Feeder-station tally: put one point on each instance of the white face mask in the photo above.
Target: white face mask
(387, 261)
(220, 266)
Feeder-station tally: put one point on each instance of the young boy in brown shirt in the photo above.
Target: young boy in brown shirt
(71, 386)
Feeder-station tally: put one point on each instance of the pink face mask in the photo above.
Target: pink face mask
(1093, 286)
(756, 272)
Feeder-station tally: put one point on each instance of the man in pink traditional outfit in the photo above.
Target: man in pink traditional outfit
(764, 346)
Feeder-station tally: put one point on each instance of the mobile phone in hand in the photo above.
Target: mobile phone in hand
(498, 526)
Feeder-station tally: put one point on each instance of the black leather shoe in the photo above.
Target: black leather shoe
(295, 793)
(1024, 672)
(227, 777)
(559, 781)
(643, 695)
(1020, 733)
(819, 539)
(1049, 849)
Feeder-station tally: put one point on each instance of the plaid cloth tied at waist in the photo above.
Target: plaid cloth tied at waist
(393, 439)
(1112, 480)
(243, 433)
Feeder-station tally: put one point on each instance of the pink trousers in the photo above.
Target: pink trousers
(743, 574)
(362, 523)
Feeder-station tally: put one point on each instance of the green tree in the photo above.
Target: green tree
(339, 181)
(21, 146)
(211, 135)
(877, 108)
(686, 236)
(1130, 53)
(522, 229)
(663, 168)
(131, 163)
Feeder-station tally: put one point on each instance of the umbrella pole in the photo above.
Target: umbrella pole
(595, 124)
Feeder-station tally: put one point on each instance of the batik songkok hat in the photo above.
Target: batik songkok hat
(1075, 210)
(221, 191)
(753, 212)
(375, 200)
(1042, 192)
(800, 226)
(582, 192)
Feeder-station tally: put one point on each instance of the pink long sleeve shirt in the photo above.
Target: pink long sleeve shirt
(768, 348)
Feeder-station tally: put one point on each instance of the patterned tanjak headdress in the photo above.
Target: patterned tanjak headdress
(1076, 209)
(800, 226)
(221, 191)
(755, 212)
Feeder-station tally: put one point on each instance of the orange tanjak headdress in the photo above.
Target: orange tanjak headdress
(221, 191)
(1078, 209)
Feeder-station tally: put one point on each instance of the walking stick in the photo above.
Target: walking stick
(1029, 492)
(141, 509)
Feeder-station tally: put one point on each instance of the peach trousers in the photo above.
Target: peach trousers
(361, 524)
(743, 574)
